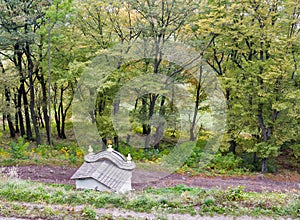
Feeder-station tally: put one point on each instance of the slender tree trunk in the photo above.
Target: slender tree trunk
(116, 142)
(8, 115)
(265, 135)
(153, 98)
(3, 122)
(93, 112)
(232, 146)
(128, 139)
(16, 114)
(232, 142)
(264, 165)
(57, 122)
(19, 113)
(160, 127)
(17, 123)
(33, 113)
(32, 92)
(18, 53)
(144, 113)
(104, 143)
(63, 115)
(255, 160)
(197, 102)
(45, 111)
(41, 121)
(26, 111)
(56, 111)
(63, 133)
(7, 99)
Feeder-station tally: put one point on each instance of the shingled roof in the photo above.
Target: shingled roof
(107, 167)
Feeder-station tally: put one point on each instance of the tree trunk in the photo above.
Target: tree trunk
(16, 114)
(264, 165)
(19, 113)
(255, 160)
(160, 128)
(128, 139)
(144, 113)
(64, 112)
(63, 122)
(153, 98)
(56, 111)
(8, 115)
(32, 92)
(104, 143)
(116, 110)
(41, 121)
(93, 112)
(116, 142)
(17, 123)
(26, 111)
(232, 146)
(7, 99)
(198, 92)
(3, 122)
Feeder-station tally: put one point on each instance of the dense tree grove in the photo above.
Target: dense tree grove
(253, 47)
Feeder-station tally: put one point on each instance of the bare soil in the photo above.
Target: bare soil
(257, 183)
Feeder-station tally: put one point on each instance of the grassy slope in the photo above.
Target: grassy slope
(60, 201)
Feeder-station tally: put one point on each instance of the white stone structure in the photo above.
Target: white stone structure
(105, 171)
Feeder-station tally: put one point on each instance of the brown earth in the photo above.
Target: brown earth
(142, 179)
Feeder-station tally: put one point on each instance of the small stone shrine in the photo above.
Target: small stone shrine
(105, 171)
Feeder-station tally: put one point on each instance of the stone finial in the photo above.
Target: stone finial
(91, 150)
(129, 158)
(109, 148)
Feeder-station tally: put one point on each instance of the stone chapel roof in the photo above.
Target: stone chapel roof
(108, 167)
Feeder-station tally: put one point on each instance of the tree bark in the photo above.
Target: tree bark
(232, 146)
(3, 122)
(197, 102)
(144, 113)
(16, 114)
(32, 92)
(153, 98)
(56, 110)
(19, 113)
(160, 127)
(116, 142)
(8, 115)
(264, 165)
(26, 110)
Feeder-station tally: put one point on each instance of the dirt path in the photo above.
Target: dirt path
(258, 183)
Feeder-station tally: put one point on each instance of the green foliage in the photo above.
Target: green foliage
(295, 150)
(89, 212)
(235, 194)
(225, 163)
(201, 160)
(19, 148)
(209, 201)
(252, 46)
(254, 50)
(141, 154)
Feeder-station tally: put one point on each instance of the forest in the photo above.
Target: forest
(203, 96)
(250, 49)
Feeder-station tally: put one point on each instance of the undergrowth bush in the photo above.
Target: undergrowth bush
(225, 162)
(18, 149)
